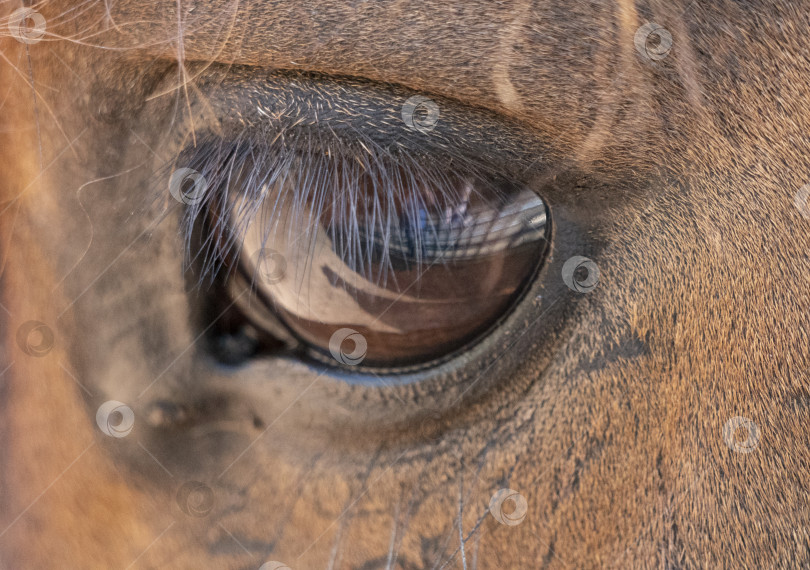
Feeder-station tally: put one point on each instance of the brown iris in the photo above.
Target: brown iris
(395, 271)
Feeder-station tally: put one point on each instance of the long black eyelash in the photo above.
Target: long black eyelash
(323, 175)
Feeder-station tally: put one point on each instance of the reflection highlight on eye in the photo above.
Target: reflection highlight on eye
(337, 220)
(419, 266)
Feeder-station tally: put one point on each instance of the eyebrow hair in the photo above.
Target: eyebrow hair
(373, 40)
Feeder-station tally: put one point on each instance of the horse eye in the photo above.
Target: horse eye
(389, 269)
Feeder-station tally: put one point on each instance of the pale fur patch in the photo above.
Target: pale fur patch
(628, 23)
(504, 88)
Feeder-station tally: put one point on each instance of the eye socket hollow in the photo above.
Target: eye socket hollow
(389, 270)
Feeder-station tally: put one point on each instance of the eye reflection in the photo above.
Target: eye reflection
(419, 270)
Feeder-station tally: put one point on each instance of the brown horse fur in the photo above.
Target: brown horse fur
(683, 170)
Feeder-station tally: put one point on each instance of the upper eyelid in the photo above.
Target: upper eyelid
(325, 114)
(347, 111)
(321, 113)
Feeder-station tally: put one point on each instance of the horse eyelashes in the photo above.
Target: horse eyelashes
(371, 200)
(417, 256)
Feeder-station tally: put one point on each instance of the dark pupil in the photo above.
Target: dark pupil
(416, 271)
